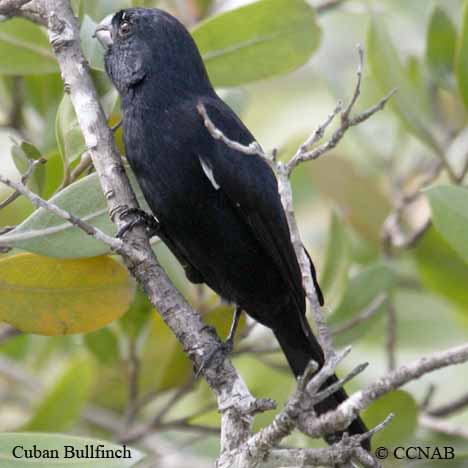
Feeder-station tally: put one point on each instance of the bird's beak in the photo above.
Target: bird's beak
(103, 32)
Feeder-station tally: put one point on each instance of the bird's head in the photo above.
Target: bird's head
(150, 46)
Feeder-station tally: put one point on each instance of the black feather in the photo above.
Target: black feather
(219, 209)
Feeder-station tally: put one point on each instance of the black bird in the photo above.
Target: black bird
(218, 210)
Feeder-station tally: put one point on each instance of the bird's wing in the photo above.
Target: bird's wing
(249, 183)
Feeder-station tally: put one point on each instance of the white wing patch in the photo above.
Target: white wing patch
(209, 173)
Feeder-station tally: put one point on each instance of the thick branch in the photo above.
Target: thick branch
(30, 9)
(10, 7)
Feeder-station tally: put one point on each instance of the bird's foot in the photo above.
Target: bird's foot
(221, 351)
(138, 218)
(225, 348)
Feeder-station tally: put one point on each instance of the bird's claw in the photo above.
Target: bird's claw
(139, 218)
(224, 349)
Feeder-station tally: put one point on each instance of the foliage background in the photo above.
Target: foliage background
(341, 200)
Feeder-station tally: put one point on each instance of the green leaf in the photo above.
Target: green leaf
(22, 155)
(362, 290)
(410, 104)
(138, 315)
(70, 140)
(103, 344)
(257, 41)
(403, 426)
(414, 71)
(449, 206)
(62, 405)
(46, 234)
(440, 45)
(44, 93)
(54, 174)
(461, 60)
(164, 365)
(337, 259)
(17, 347)
(442, 270)
(56, 296)
(24, 49)
(10, 440)
(266, 380)
(92, 49)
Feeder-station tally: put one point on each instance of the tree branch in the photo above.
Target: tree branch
(11, 7)
(30, 9)
(283, 173)
(115, 244)
(304, 153)
(235, 403)
(340, 418)
(391, 339)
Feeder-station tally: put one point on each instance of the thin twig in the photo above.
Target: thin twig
(330, 390)
(157, 424)
(7, 332)
(84, 164)
(327, 5)
(252, 148)
(363, 316)
(115, 244)
(24, 178)
(443, 427)
(176, 397)
(392, 234)
(450, 408)
(339, 454)
(283, 172)
(340, 418)
(133, 363)
(428, 397)
(115, 127)
(391, 340)
(339, 133)
(305, 154)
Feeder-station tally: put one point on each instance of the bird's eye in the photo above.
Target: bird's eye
(124, 28)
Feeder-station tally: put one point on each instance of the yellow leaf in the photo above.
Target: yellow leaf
(50, 296)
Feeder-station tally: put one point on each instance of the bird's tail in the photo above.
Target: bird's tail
(299, 350)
